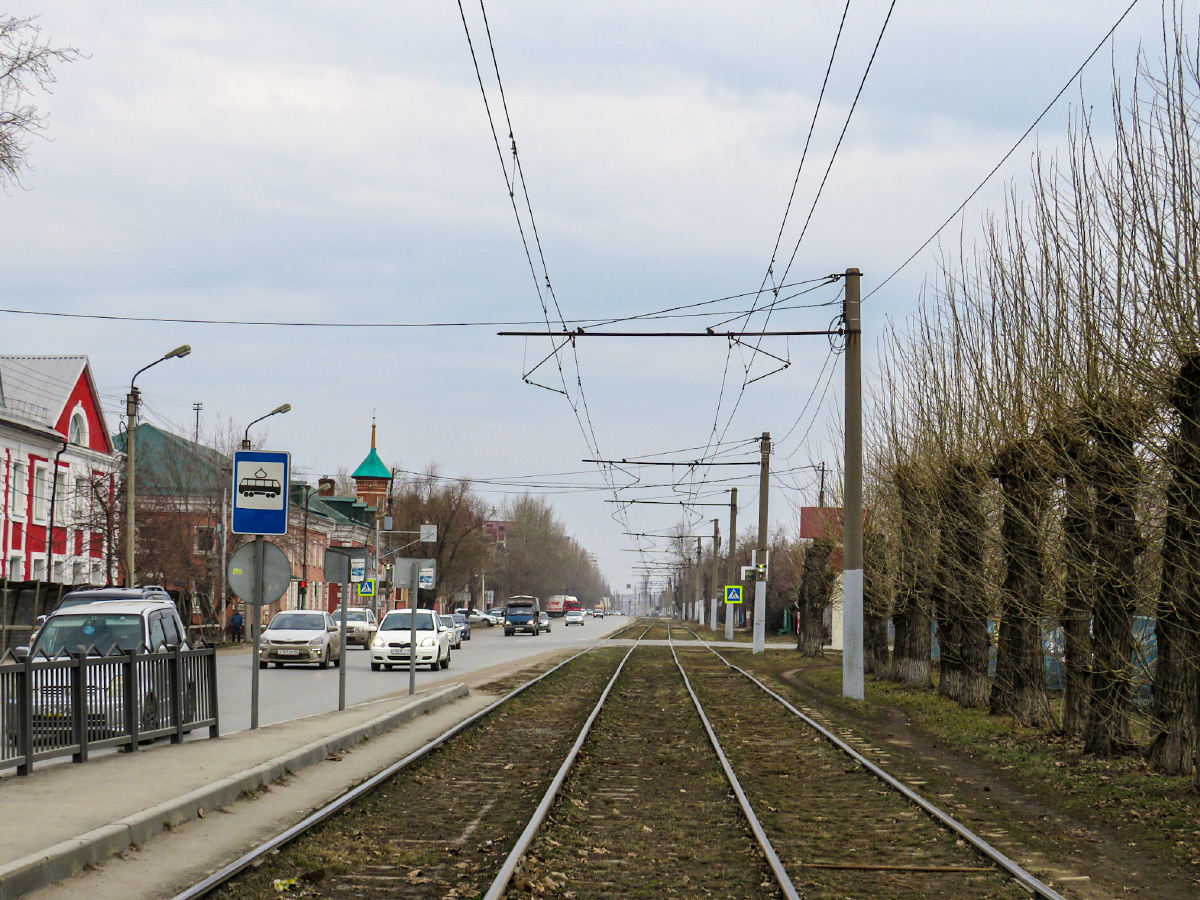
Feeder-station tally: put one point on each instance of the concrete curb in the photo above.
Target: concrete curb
(67, 858)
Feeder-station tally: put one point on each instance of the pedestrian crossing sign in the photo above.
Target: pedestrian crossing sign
(733, 593)
(366, 588)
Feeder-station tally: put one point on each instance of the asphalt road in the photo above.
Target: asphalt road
(297, 691)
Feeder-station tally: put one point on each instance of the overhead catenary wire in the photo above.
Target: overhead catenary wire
(1011, 150)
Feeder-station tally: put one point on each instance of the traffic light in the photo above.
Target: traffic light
(303, 588)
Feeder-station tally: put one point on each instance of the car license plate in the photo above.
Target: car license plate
(288, 652)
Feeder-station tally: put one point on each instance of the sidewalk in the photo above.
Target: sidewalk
(64, 817)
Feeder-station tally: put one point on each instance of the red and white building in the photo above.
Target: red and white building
(58, 471)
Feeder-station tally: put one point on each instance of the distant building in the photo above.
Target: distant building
(59, 463)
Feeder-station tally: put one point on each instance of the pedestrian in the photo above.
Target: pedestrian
(238, 622)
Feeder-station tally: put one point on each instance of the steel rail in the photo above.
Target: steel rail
(760, 835)
(226, 873)
(500, 883)
(1028, 881)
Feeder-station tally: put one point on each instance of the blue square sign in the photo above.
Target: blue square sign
(260, 491)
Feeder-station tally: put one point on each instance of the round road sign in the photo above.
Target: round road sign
(277, 573)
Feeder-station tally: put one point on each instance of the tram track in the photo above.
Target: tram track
(654, 772)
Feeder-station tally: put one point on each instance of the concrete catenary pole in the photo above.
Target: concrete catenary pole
(730, 610)
(852, 538)
(716, 574)
(760, 582)
(698, 609)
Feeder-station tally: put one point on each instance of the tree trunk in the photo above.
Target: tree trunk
(875, 645)
(966, 531)
(1173, 749)
(1076, 618)
(914, 600)
(816, 583)
(1019, 689)
(1118, 544)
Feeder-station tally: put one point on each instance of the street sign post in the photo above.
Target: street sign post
(414, 574)
(341, 566)
(366, 588)
(260, 507)
(260, 491)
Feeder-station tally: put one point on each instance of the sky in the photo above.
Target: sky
(333, 163)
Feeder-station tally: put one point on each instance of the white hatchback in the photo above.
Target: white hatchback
(391, 645)
(574, 616)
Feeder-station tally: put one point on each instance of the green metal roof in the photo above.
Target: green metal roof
(372, 467)
(172, 466)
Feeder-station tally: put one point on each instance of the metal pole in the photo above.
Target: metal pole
(852, 537)
(760, 581)
(131, 412)
(255, 628)
(730, 612)
(342, 650)
(716, 573)
(224, 551)
(698, 611)
(412, 637)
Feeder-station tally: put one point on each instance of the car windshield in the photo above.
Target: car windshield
(298, 622)
(76, 633)
(448, 621)
(459, 618)
(356, 615)
(402, 621)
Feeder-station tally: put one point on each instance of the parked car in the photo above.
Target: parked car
(361, 625)
(391, 644)
(80, 596)
(479, 617)
(521, 614)
(300, 636)
(98, 630)
(574, 616)
(464, 625)
(544, 620)
(495, 615)
(456, 637)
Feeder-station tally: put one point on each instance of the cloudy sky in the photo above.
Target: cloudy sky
(321, 162)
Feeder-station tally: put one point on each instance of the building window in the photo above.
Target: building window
(39, 569)
(83, 500)
(15, 572)
(77, 576)
(17, 491)
(60, 498)
(40, 498)
(58, 573)
(206, 539)
(78, 432)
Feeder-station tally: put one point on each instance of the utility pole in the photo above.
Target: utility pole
(760, 557)
(716, 573)
(852, 537)
(730, 612)
(698, 611)
(821, 496)
(197, 407)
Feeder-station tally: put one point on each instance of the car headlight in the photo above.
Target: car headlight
(317, 642)
(116, 687)
(377, 642)
(428, 641)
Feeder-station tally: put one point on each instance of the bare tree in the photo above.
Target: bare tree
(26, 64)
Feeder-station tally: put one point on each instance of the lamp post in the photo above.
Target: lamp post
(131, 411)
(287, 407)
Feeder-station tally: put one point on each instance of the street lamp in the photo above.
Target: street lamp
(131, 411)
(287, 407)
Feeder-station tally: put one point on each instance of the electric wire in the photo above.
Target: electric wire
(1013, 149)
